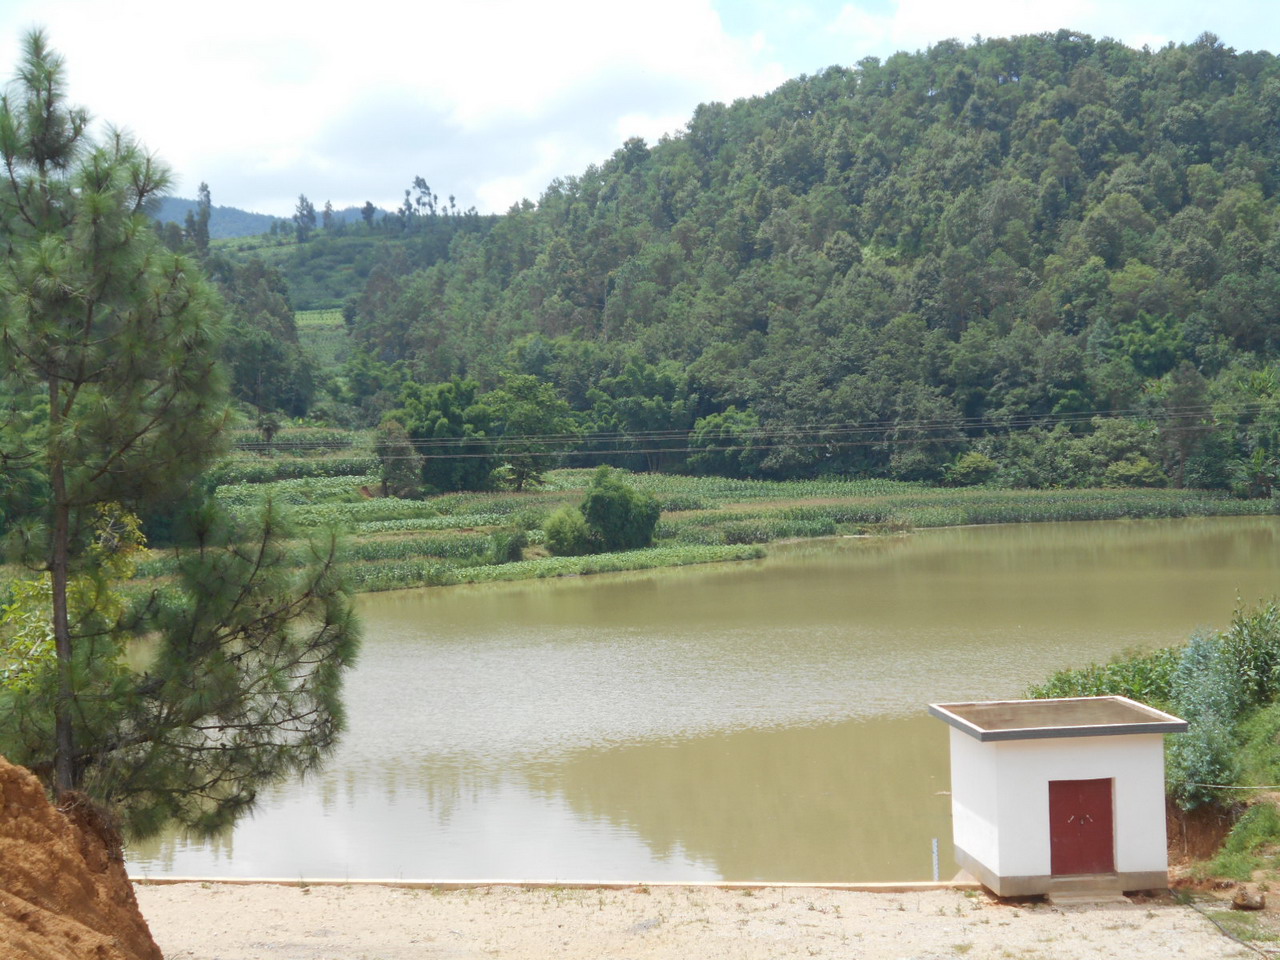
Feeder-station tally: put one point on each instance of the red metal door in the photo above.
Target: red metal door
(1081, 838)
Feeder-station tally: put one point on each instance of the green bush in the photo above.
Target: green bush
(971, 469)
(507, 546)
(1146, 677)
(567, 534)
(1252, 643)
(529, 519)
(1226, 686)
(1137, 472)
(619, 516)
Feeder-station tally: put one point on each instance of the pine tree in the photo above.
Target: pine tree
(198, 222)
(112, 340)
(304, 219)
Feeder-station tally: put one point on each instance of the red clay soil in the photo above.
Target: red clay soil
(1197, 834)
(64, 894)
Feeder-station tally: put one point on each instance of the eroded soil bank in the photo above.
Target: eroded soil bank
(64, 894)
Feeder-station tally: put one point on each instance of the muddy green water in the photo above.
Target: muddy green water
(760, 720)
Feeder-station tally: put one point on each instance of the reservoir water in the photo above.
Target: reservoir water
(750, 721)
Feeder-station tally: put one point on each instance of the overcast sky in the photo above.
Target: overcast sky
(492, 99)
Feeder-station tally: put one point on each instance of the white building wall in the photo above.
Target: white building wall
(974, 810)
(1023, 769)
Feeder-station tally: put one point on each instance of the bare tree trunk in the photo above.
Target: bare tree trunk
(60, 574)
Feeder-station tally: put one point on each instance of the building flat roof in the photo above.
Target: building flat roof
(1063, 717)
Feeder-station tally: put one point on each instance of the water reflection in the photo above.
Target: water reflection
(751, 721)
(829, 802)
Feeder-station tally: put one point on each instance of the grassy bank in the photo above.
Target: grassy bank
(328, 480)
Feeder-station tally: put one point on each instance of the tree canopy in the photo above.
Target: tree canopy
(114, 404)
(612, 516)
(883, 267)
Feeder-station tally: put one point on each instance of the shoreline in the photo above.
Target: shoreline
(338, 921)
(903, 886)
(641, 561)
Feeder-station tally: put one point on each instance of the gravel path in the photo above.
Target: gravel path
(273, 922)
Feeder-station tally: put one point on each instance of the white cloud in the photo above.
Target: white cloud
(915, 24)
(245, 93)
(882, 27)
(490, 99)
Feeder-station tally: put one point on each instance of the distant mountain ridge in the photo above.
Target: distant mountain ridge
(224, 222)
(228, 222)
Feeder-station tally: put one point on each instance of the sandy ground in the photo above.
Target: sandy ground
(198, 921)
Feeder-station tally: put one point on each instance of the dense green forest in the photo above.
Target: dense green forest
(1040, 261)
(948, 265)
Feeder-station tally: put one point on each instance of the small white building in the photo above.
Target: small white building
(1051, 794)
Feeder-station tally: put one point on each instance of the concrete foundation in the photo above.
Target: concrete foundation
(1032, 886)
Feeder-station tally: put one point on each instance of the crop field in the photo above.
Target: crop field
(323, 334)
(328, 480)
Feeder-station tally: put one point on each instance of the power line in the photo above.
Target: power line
(827, 435)
(792, 429)
(831, 435)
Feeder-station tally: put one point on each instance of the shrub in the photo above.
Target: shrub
(567, 533)
(399, 463)
(972, 469)
(1144, 677)
(1252, 644)
(619, 517)
(1206, 695)
(1138, 472)
(530, 518)
(507, 546)
(1226, 686)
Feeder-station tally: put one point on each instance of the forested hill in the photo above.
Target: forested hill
(887, 266)
(224, 222)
